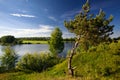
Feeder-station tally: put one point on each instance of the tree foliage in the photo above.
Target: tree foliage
(35, 38)
(8, 39)
(36, 62)
(9, 58)
(91, 29)
(56, 44)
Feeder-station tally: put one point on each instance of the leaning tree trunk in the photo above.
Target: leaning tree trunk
(70, 68)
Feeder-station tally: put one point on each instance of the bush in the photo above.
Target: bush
(2, 69)
(100, 61)
(9, 58)
(36, 62)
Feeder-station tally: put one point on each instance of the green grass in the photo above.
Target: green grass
(36, 76)
(99, 63)
(34, 42)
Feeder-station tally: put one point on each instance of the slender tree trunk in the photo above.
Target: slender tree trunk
(70, 68)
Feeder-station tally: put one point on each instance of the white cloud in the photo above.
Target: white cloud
(42, 31)
(23, 15)
(52, 18)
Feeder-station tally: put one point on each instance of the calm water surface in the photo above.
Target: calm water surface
(35, 48)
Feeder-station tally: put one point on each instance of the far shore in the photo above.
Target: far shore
(37, 42)
(34, 42)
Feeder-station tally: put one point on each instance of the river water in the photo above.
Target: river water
(36, 48)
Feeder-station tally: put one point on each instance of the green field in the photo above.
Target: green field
(34, 42)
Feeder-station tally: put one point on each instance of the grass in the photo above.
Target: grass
(34, 42)
(37, 42)
(36, 76)
(99, 63)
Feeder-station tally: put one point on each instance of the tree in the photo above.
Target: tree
(36, 62)
(56, 44)
(8, 39)
(90, 30)
(9, 58)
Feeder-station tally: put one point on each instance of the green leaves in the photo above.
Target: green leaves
(7, 39)
(56, 44)
(92, 29)
(36, 62)
(86, 7)
(9, 58)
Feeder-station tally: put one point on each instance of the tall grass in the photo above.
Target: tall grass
(98, 63)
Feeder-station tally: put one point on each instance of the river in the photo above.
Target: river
(36, 48)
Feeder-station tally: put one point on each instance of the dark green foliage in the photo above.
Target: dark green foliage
(10, 40)
(7, 39)
(18, 41)
(9, 58)
(69, 39)
(91, 29)
(36, 62)
(2, 69)
(56, 44)
(98, 63)
(116, 39)
(35, 38)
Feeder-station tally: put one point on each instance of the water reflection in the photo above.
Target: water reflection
(36, 48)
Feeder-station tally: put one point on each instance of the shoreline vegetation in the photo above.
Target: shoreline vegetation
(34, 42)
(5, 40)
(39, 40)
(98, 63)
(94, 55)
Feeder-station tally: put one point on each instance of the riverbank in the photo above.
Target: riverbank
(39, 42)
(98, 63)
(34, 42)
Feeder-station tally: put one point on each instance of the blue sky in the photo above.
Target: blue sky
(37, 18)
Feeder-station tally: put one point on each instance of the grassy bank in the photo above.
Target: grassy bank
(37, 42)
(34, 42)
(98, 63)
(34, 76)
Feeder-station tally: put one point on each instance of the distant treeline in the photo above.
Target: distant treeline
(9, 40)
(43, 38)
(69, 39)
(34, 38)
(116, 39)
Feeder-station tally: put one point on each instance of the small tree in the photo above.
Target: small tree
(56, 44)
(89, 29)
(9, 58)
(7, 39)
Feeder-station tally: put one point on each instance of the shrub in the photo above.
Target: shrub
(9, 58)
(36, 62)
(2, 69)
